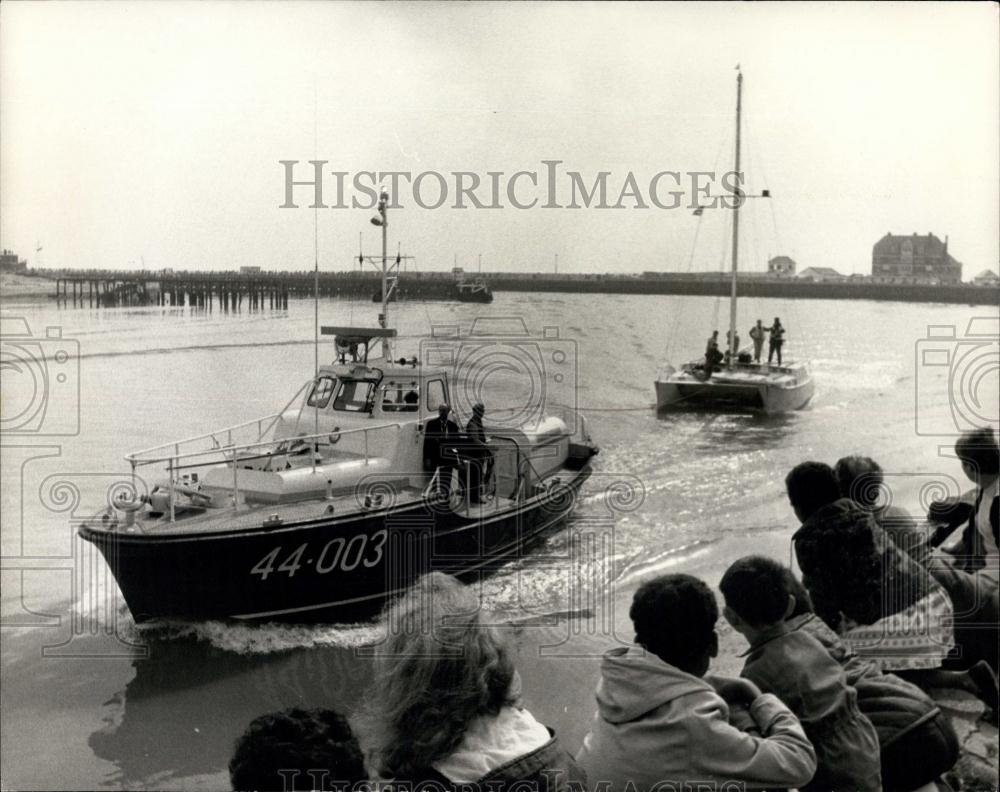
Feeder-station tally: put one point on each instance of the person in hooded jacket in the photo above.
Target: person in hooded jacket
(660, 720)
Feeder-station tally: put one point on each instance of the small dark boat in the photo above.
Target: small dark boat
(472, 291)
(468, 290)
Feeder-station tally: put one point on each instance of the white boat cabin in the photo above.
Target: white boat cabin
(357, 423)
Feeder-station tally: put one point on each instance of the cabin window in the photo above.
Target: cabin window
(435, 394)
(400, 397)
(322, 390)
(354, 396)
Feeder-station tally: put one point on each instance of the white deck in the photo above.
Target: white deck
(246, 517)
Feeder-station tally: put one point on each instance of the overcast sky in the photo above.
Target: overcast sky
(152, 132)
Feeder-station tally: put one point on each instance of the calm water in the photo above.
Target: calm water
(91, 701)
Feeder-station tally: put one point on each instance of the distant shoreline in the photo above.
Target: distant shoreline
(15, 287)
(438, 285)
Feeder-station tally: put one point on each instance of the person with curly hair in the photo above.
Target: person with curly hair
(297, 749)
(662, 723)
(444, 703)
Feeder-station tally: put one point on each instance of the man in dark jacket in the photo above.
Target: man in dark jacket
(439, 456)
(478, 451)
(777, 332)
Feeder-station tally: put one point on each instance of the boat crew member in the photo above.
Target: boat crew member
(712, 354)
(439, 436)
(757, 334)
(478, 449)
(777, 340)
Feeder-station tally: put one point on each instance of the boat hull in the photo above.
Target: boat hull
(326, 570)
(685, 392)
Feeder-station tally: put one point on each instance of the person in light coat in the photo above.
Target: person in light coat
(661, 721)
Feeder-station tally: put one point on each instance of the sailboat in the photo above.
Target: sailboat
(739, 383)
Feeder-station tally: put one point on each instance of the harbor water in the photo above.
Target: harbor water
(91, 701)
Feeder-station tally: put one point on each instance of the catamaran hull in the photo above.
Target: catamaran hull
(769, 399)
(327, 570)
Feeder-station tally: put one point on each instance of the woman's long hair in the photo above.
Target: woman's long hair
(438, 668)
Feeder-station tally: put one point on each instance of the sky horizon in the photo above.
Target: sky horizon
(152, 134)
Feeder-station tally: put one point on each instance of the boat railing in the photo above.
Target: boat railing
(220, 438)
(233, 454)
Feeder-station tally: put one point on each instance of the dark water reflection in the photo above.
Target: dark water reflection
(188, 702)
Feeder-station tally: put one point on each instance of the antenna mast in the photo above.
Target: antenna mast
(738, 199)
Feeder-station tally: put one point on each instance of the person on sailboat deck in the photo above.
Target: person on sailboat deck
(713, 357)
(757, 334)
(777, 332)
(438, 434)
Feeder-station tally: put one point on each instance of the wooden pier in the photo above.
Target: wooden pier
(255, 291)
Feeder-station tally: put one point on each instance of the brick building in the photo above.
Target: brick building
(914, 259)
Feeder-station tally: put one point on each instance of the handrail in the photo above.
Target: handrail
(273, 417)
(234, 449)
(231, 454)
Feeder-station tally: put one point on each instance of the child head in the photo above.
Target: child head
(980, 457)
(674, 618)
(757, 594)
(860, 478)
(810, 487)
(296, 749)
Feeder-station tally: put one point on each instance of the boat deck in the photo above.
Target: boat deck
(188, 521)
(742, 374)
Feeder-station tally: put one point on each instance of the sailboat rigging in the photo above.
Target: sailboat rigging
(741, 383)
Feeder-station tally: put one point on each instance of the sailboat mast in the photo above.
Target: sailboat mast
(738, 199)
(383, 202)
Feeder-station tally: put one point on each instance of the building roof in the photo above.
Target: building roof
(928, 245)
(986, 273)
(781, 260)
(828, 271)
